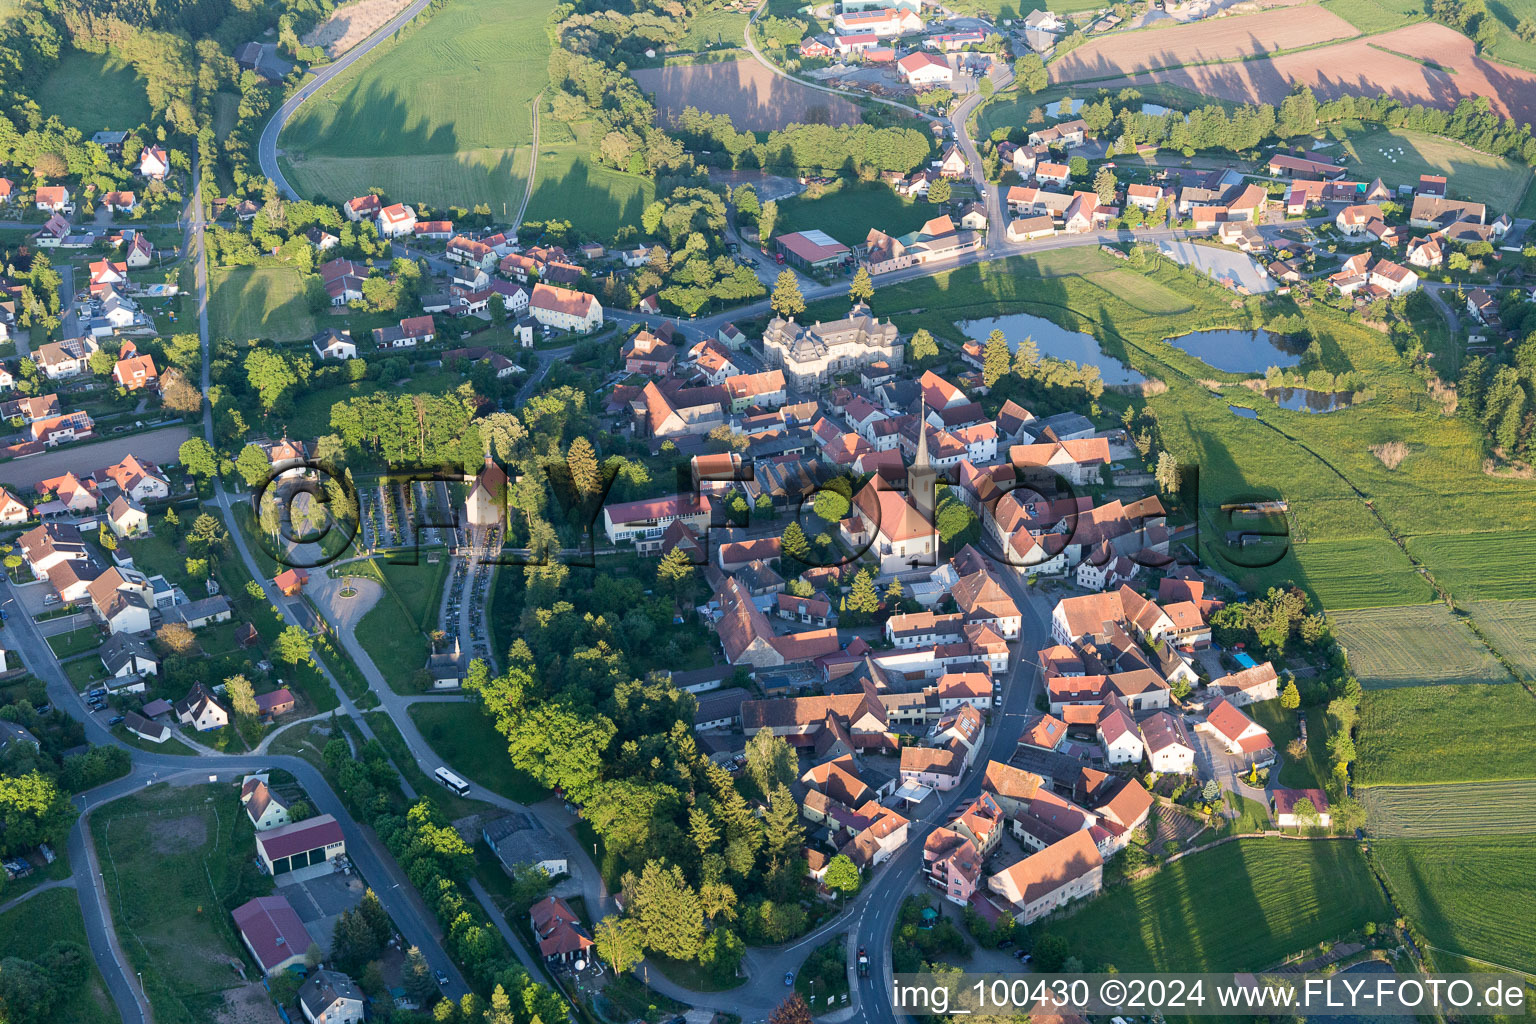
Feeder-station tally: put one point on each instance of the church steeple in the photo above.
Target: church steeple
(921, 462)
(920, 478)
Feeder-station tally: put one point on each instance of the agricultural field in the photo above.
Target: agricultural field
(569, 186)
(176, 860)
(848, 211)
(351, 23)
(1458, 892)
(1480, 566)
(1405, 63)
(246, 303)
(1420, 646)
(1486, 808)
(1225, 39)
(1511, 627)
(27, 930)
(1365, 572)
(458, 87)
(1424, 734)
(95, 92)
(1378, 15)
(754, 97)
(1487, 178)
(1243, 905)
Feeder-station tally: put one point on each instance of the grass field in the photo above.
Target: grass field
(1419, 734)
(715, 27)
(1480, 566)
(1312, 770)
(1487, 808)
(1364, 572)
(497, 177)
(1378, 15)
(95, 92)
(1511, 627)
(172, 858)
(394, 630)
(1464, 894)
(467, 741)
(569, 186)
(1414, 647)
(450, 99)
(1372, 154)
(245, 303)
(76, 641)
(1244, 905)
(850, 210)
(28, 930)
(1506, 46)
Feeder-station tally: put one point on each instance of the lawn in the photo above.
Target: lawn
(570, 186)
(1510, 627)
(394, 632)
(1312, 770)
(176, 861)
(1457, 891)
(462, 734)
(1420, 646)
(77, 641)
(1480, 566)
(1365, 572)
(849, 210)
(95, 92)
(246, 303)
(28, 930)
(458, 86)
(388, 735)
(1418, 734)
(1494, 179)
(1244, 905)
(1486, 808)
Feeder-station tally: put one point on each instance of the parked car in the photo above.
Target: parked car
(115, 719)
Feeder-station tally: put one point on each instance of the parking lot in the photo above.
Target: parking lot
(320, 901)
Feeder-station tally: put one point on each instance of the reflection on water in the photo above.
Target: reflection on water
(1239, 351)
(1307, 400)
(1055, 341)
(1245, 413)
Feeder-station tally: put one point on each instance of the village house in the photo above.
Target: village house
(1068, 870)
(1241, 735)
(1168, 744)
(138, 479)
(810, 354)
(154, 164)
(410, 332)
(1248, 686)
(262, 806)
(136, 372)
(1288, 813)
(273, 932)
(558, 930)
(562, 309)
(922, 70)
(334, 344)
(643, 522)
(199, 710)
(396, 220)
(330, 997)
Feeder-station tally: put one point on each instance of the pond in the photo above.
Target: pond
(1239, 351)
(1244, 412)
(1307, 400)
(1055, 341)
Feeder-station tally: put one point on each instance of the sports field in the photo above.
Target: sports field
(1468, 895)
(1484, 808)
(1511, 627)
(1244, 905)
(258, 302)
(94, 92)
(1480, 566)
(459, 84)
(1374, 154)
(27, 930)
(850, 210)
(1417, 646)
(1418, 734)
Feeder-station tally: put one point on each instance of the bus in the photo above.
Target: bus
(452, 781)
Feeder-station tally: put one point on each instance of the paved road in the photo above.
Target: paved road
(266, 147)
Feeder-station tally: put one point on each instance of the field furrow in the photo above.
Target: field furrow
(1487, 808)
